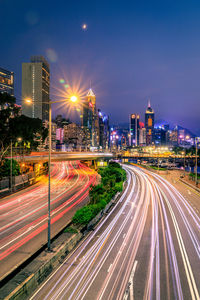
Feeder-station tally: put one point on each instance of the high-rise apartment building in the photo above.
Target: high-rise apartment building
(35, 86)
(134, 129)
(6, 82)
(149, 124)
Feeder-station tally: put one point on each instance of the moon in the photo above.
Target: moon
(84, 26)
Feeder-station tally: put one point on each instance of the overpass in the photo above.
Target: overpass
(41, 157)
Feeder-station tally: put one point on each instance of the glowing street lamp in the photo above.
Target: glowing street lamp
(28, 101)
(73, 98)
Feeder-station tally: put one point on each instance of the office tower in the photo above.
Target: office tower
(90, 117)
(149, 124)
(160, 136)
(6, 82)
(35, 86)
(172, 137)
(142, 136)
(104, 132)
(134, 129)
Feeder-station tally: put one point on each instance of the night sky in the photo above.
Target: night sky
(131, 51)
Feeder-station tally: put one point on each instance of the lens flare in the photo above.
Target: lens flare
(73, 98)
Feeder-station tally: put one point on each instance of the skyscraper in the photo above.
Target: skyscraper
(6, 82)
(90, 117)
(134, 129)
(149, 124)
(104, 130)
(35, 86)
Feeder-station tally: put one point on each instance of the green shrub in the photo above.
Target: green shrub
(71, 230)
(112, 178)
(85, 214)
(5, 168)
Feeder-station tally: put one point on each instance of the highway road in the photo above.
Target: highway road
(147, 247)
(23, 216)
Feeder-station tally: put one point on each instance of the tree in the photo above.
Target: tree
(13, 126)
(8, 111)
(177, 150)
(5, 168)
(28, 129)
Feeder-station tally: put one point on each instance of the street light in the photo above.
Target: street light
(73, 98)
(19, 139)
(196, 164)
(183, 153)
(11, 154)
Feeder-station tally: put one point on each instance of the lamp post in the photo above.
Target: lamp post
(29, 101)
(183, 153)
(196, 163)
(11, 166)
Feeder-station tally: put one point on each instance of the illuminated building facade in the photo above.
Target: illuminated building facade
(35, 86)
(6, 82)
(149, 125)
(104, 130)
(76, 137)
(159, 136)
(142, 136)
(134, 129)
(90, 117)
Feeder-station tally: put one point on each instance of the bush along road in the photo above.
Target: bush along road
(112, 178)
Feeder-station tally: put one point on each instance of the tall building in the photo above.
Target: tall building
(104, 130)
(90, 117)
(172, 137)
(6, 82)
(76, 137)
(142, 136)
(35, 86)
(134, 129)
(149, 124)
(160, 136)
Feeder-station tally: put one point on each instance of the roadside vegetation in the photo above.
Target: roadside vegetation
(157, 168)
(112, 178)
(70, 229)
(192, 176)
(14, 126)
(6, 167)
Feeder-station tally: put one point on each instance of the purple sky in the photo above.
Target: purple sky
(132, 50)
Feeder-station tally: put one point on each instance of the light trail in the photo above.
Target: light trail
(151, 212)
(70, 183)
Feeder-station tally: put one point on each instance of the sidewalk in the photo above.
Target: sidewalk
(178, 175)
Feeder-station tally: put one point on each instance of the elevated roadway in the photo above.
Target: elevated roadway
(64, 156)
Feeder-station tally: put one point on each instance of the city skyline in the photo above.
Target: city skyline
(100, 150)
(151, 53)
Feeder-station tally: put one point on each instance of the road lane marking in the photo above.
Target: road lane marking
(186, 262)
(109, 268)
(131, 280)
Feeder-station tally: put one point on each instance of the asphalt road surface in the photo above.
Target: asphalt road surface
(147, 247)
(23, 216)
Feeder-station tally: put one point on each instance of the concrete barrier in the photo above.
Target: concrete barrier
(37, 271)
(190, 185)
